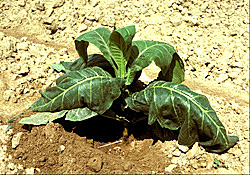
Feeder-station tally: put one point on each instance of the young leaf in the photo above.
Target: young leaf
(175, 106)
(159, 52)
(42, 118)
(92, 86)
(118, 49)
(80, 114)
(99, 37)
(127, 34)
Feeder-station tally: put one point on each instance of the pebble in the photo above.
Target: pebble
(95, 163)
(82, 28)
(127, 166)
(182, 148)
(62, 148)
(177, 153)
(16, 139)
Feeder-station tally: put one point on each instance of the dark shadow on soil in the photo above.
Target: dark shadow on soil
(102, 129)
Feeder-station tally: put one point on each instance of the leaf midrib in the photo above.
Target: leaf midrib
(78, 83)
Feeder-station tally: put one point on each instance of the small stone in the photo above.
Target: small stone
(170, 167)
(91, 18)
(177, 153)
(95, 163)
(182, 148)
(62, 148)
(58, 3)
(16, 139)
(82, 28)
(127, 166)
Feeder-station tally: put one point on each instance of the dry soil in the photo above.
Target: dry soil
(212, 37)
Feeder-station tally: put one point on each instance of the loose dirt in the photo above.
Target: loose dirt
(211, 37)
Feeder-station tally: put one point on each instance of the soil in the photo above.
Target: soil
(211, 37)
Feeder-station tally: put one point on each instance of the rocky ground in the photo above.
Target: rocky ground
(211, 37)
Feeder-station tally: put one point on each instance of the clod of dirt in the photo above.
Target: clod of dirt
(16, 139)
(182, 148)
(95, 163)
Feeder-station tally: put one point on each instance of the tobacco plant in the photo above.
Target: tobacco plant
(107, 85)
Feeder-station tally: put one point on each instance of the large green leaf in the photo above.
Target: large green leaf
(42, 118)
(175, 106)
(99, 37)
(159, 52)
(93, 87)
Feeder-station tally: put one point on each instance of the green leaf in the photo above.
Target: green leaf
(128, 34)
(118, 49)
(93, 87)
(80, 114)
(175, 73)
(175, 106)
(42, 118)
(159, 52)
(99, 37)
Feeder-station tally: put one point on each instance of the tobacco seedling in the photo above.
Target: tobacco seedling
(107, 85)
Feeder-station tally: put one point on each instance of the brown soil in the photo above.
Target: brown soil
(211, 37)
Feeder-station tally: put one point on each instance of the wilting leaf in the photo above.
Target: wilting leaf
(175, 106)
(80, 114)
(159, 52)
(175, 73)
(93, 87)
(42, 118)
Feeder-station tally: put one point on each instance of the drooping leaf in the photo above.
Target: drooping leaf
(91, 86)
(159, 52)
(42, 118)
(175, 73)
(175, 106)
(99, 37)
(80, 114)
